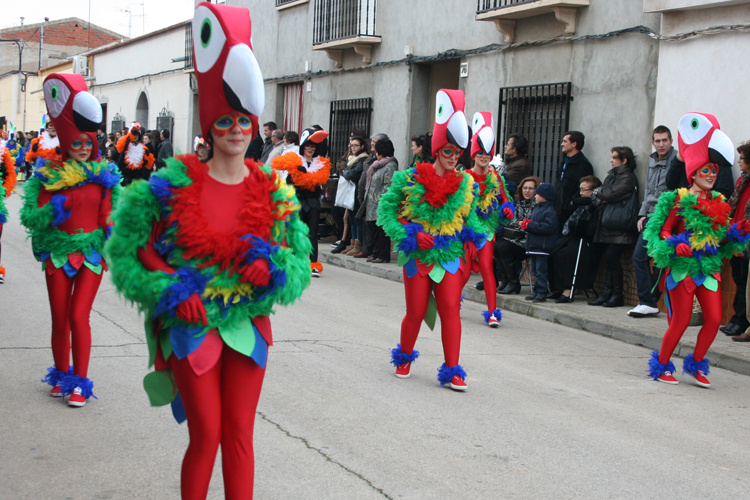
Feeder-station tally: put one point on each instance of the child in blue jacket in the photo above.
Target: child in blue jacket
(543, 229)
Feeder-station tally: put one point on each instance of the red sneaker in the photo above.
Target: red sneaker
(56, 391)
(403, 371)
(668, 378)
(457, 384)
(76, 399)
(493, 322)
(701, 380)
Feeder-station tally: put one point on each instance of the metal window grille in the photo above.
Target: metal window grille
(337, 19)
(541, 114)
(283, 2)
(346, 116)
(487, 5)
(118, 122)
(188, 45)
(165, 120)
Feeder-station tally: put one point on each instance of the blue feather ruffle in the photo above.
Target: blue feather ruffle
(398, 357)
(189, 281)
(55, 376)
(655, 368)
(445, 373)
(73, 381)
(59, 213)
(691, 366)
(497, 313)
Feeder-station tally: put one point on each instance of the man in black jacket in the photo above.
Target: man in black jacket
(164, 150)
(575, 166)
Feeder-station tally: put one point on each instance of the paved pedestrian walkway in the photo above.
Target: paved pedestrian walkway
(608, 322)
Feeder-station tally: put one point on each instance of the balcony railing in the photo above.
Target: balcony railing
(341, 19)
(487, 5)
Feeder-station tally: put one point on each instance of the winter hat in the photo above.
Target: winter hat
(546, 191)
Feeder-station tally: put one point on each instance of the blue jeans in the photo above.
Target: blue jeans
(643, 275)
(357, 225)
(539, 271)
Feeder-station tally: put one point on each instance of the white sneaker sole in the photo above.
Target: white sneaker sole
(460, 388)
(668, 382)
(75, 404)
(56, 394)
(701, 384)
(494, 325)
(403, 376)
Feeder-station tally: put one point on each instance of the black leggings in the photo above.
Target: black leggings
(311, 217)
(508, 258)
(611, 253)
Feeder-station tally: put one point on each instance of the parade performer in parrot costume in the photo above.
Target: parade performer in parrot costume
(430, 213)
(495, 207)
(136, 160)
(67, 204)
(688, 236)
(206, 250)
(7, 185)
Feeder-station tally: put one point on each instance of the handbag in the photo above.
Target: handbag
(623, 215)
(513, 234)
(345, 194)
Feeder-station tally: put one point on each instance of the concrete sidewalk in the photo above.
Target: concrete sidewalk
(608, 322)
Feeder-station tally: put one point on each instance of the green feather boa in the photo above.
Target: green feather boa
(134, 219)
(663, 252)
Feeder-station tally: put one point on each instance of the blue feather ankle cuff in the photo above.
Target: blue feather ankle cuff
(655, 368)
(73, 381)
(497, 313)
(691, 366)
(445, 373)
(55, 376)
(398, 357)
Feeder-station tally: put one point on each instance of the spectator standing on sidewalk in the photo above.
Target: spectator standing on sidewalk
(268, 143)
(164, 150)
(656, 184)
(575, 166)
(358, 153)
(277, 138)
(738, 201)
(542, 228)
(367, 235)
(420, 148)
(378, 180)
(517, 166)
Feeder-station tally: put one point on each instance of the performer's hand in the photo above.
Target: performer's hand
(683, 250)
(425, 240)
(508, 213)
(192, 310)
(257, 273)
(743, 227)
(525, 224)
(302, 169)
(470, 251)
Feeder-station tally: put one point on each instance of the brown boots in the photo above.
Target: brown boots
(355, 248)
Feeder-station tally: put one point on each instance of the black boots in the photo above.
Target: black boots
(605, 294)
(513, 286)
(616, 299)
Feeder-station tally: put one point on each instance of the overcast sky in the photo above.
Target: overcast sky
(111, 14)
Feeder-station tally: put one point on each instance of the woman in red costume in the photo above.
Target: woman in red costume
(494, 207)
(7, 184)
(429, 212)
(207, 250)
(66, 211)
(688, 236)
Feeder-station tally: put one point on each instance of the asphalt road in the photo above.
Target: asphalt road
(551, 412)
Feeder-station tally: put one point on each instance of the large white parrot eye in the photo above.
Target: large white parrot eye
(208, 39)
(443, 107)
(56, 95)
(477, 122)
(694, 127)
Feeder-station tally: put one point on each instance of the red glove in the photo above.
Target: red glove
(508, 213)
(525, 224)
(192, 310)
(470, 250)
(683, 250)
(743, 226)
(257, 273)
(425, 240)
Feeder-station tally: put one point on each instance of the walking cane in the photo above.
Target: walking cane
(575, 271)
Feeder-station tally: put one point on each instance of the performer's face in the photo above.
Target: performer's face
(51, 130)
(81, 148)
(482, 159)
(232, 134)
(448, 156)
(705, 177)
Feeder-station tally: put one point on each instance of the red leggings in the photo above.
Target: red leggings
(682, 309)
(485, 257)
(448, 298)
(220, 408)
(71, 300)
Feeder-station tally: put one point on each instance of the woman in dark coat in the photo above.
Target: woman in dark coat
(358, 153)
(511, 252)
(620, 184)
(379, 176)
(577, 235)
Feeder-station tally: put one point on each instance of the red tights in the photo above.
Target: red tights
(71, 300)
(220, 407)
(448, 298)
(682, 309)
(485, 257)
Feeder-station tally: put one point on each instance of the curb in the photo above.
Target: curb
(719, 357)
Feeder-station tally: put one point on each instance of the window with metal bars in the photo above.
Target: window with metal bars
(346, 116)
(337, 19)
(487, 5)
(188, 45)
(540, 113)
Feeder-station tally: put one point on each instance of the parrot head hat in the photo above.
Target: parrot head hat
(483, 139)
(450, 121)
(72, 110)
(228, 75)
(315, 136)
(701, 141)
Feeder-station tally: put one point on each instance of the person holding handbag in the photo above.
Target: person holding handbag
(617, 226)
